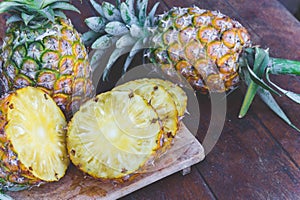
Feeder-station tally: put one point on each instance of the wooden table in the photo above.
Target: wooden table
(257, 157)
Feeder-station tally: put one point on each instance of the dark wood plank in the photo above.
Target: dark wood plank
(177, 186)
(257, 157)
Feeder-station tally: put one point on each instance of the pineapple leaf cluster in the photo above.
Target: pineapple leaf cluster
(35, 13)
(125, 25)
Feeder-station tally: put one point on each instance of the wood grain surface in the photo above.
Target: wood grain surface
(257, 157)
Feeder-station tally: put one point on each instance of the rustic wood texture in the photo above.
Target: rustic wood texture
(257, 157)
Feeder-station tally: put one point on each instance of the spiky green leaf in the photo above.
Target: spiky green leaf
(116, 54)
(64, 6)
(136, 31)
(60, 14)
(259, 81)
(272, 104)
(127, 15)
(138, 46)
(13, 18)
(26, 18)
(89, 37)
(293, 96)
(151, 14)
(116, 28)
(142, 6)
(6, 6)
(97, 7)
(95, 23)
(130, 4)
(110, 12)
(49, 2)
(48, 13)
(125, 41)
(102, 42)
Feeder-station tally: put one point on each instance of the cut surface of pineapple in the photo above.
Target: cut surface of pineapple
(161, 101)
(36, 130)
(177, 93)
(113, 135)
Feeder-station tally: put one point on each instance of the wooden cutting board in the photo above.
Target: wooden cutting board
(185, 152)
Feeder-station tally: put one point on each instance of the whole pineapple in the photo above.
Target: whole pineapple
(32, 140)
(211, 50)
(41, 48)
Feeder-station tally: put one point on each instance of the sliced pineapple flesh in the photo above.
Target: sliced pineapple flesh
(113, 135)
(159, 99)
(177, 93)
(36, 129)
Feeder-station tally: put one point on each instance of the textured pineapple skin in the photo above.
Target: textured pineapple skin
(52, 58)
(14, 175)
(204, 46)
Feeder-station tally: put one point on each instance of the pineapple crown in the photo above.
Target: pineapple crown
(125, 25)
(35, 13)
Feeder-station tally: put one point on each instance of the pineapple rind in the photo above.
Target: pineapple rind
(28, 53)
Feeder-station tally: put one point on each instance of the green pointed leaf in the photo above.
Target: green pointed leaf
(138, 46)
(118, 3)
(130, 4)
(260, 81)
(47, 13)
(272, 104)
(13, 18)
(96, 57)
(97, 7)
(5, 6)
(116, 28)
(293, 96)
(127, 16)
(102, 42)
(261, 62)
(26, 18)
(89, 37)
(142, 11)
(248, 99)
(125, 41)
(96, 24)
(110, 12)
(152, 13)
(60, 14)
(49, 2)
(112, 59)
(64, 6)
(136, 31)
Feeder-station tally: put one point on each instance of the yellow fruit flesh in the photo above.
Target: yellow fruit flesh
(159, 99)
(36, 129)
(113, 135)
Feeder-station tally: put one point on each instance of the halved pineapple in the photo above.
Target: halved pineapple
(161, 101)
(177, 93)
(32, 144)
(113, 135)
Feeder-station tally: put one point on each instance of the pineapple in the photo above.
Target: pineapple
(32, 140)
(116, 135)
(41, 48)
(160, 100)
(209, 49)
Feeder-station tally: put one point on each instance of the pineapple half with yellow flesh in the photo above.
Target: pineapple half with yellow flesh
(32, 140)
(209, 49)
(115, 135)
(41, 48)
